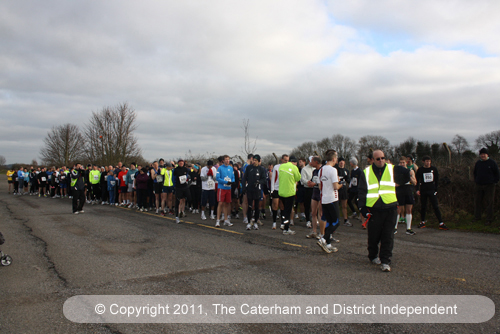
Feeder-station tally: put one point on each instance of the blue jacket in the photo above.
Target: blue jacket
(109, 179)
(225, 173)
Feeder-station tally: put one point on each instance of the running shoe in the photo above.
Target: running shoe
(376, 261)
(322, 243)
(282, 226)
(410, 232)
(260, 223)
(203, 217)
(311, 235)
(421, 225)
(212, 217)
(289, 232)
(385, 267)
(255, 226)
(347, 223)
(443, 227)
(274, 226)
(308, 225)
(227, 223)
(217, 224)
(177, 220)
(249, 226)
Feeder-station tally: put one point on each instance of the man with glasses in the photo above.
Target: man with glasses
(377, 196)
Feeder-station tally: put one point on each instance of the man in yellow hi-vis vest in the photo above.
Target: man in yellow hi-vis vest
(377, 197)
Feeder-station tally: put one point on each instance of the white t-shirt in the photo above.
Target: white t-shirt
(328, 175)
(210, 183)
(275, 184)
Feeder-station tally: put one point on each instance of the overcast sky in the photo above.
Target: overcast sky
(298, 70)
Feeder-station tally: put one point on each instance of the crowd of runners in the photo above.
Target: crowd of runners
(317, 191)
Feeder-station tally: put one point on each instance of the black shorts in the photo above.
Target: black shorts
(168, 190)
(343, 193)
(316, 196)
(10, 181)
(405, 199)
(181, 193)
(157, 188)
(404, 194)
(275, 194)
(123, 190)
(330, 213)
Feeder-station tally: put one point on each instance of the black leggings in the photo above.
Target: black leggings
(434, 202)
(287, 211)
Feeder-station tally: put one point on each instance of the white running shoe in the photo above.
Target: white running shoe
(81, 211)
(203, 217)
(289, 232)
(245, 220)
(282, 226)
(212, 217)
(385, 267)
(308, 225)
(177, 220)
(249, 226)
(274, 226)
(227, 223)
(217, 223)
(157, 211)
(255, 226)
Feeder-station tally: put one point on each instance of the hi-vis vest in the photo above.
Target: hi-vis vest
(94, 176)
(386, 189)
(168, 177)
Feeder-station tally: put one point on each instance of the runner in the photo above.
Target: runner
(316, 210)
(9, 179)
(276, 201)
(353, 187)
(253, 182)
(288, 176)
(344, 179)
(181, 183)
(427, 185)
(167, 190)
(306, 175)
(122, 183)
(224, 177)
(405, 180)
(244, 200)
(42, 183)
(78, 185)
(111, 184)
(95, 187)
(329, 186)
(131, 196)
(207, 176)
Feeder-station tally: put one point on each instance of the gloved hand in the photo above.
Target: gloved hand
(229, 183)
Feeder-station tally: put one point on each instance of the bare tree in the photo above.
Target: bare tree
(491, 141)
(460, 144)
(249, 146)
(109, 136)
(304, 150)
(2, 160)
(371, 143)
(62, 146)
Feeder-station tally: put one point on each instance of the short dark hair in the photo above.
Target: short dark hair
(250, 156)
(426, 157)
(330, 154)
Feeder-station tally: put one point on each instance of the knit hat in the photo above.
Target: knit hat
(483, 150)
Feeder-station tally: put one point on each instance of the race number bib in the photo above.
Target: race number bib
(159, 178)
(211, 184)
(132, 177)
(124, 177)
(354, 182)
(428, 177)
(96, 177)
(336, 195)
(112, 183)
(182, 179)
(315, 179)
(105, 177)
(44, 179)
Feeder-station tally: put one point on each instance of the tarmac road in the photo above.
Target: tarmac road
(116, 251)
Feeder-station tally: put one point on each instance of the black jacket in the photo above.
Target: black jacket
(254, 179)
(486, 172)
